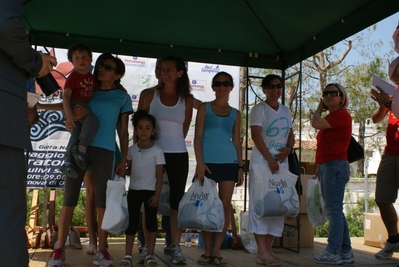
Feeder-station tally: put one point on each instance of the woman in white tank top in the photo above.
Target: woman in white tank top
(171, 103)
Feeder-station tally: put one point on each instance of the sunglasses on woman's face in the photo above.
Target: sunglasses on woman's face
(106, 67)
(224, 83)
(331, 93)
(272, 86)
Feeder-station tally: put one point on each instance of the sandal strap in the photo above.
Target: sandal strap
(149, 259)
(127, 259)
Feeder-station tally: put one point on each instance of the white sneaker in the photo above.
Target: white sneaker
(176, 256)
(387, 251)
(143, 254)
(57, 258)
(103, 259)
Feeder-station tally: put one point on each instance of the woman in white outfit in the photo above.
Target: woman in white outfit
(271, 131)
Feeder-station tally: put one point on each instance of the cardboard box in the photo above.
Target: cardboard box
(290, 233)
(302, 198)
(375, 233)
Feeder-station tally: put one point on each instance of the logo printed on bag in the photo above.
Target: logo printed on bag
(281, 183)
(198, 203)
(198, 198)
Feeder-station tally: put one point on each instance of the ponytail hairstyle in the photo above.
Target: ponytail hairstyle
(183, 82)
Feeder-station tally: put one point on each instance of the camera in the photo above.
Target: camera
(48, 84)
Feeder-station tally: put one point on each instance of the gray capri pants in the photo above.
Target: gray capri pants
(102, 163)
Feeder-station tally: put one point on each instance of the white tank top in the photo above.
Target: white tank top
(169, 124)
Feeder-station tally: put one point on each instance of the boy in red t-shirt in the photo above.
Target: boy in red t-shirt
(78, 90)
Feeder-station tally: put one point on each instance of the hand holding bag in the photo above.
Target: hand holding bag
(116, 216)
(275, 195)
(315, 204)
(201, 208)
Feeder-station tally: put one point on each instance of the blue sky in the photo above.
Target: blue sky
(384, 31)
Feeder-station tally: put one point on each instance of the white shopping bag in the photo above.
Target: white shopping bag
(116, 216)
(164, 202)
(248, 240)
(275, 194)
(315, 204)
(201, 208)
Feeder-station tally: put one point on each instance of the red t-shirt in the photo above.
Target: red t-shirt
(82, 86)
(392, 136)
(332, 144)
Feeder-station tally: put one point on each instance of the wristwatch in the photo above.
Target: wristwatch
(388, 105)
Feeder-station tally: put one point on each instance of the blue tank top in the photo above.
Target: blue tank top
(217, 138)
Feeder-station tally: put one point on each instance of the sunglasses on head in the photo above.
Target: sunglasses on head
(224, 83)
(331, 93)
(106, 67)
(272, 86)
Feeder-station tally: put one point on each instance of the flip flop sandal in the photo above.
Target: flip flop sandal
(268, 262)
(126, 261)
(220, 261)
(204, 262)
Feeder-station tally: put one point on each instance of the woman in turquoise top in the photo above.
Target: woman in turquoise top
(219, 155)
(112, 106)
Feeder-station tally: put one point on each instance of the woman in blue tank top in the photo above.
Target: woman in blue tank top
(218, 153)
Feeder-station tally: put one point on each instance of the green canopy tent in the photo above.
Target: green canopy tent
(250, 33)
(254, 33)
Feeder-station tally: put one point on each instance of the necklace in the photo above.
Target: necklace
(148, 145)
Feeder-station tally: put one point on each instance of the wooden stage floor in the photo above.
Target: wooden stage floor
(364, 255)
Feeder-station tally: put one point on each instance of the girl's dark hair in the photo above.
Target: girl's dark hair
(144, 115)
(183, 83)
(268, 78)
(120, 68)
(222, 73)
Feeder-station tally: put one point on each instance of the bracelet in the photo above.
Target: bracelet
(388, 105)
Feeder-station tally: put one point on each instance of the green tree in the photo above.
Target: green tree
(358, 80)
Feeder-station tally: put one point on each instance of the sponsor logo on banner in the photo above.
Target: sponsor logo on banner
(49, 140)
(144, 80)
(211, 69)
(198, 85)
(135, 98)
(135, 61)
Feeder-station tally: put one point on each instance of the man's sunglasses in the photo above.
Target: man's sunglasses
(331, 93)
(272, 86)
(224, 83)
(106, 67)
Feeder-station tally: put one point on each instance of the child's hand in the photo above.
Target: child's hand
(153, 202)
(70, 123)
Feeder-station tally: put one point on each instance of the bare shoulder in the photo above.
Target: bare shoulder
(145, 99)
